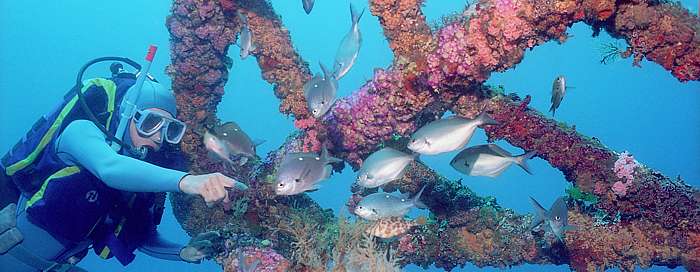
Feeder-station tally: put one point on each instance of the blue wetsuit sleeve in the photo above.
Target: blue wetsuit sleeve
(156, 246)
(81, 143)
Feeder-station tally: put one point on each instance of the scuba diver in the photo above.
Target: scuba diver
(92, 174)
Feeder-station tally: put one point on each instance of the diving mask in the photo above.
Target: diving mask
(149, 122)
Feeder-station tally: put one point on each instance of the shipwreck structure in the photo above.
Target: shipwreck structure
(636, 218)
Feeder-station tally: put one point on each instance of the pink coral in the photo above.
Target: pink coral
(624, 169)
(406, 244)
(269, 260)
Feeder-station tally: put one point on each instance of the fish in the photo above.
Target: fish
(301, 172)
(383, 166)
(488, 160)
(216, 147)
(228, 141)
(448, 134)
(391, 227)
(320, 92)
(308, 5)
(558, 92)
(555, 220)
(245, 38)
(383, 205)
(349, 47)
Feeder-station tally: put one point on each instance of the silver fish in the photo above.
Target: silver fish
(555, 219)
(349, 47)
(558, 92)
(217, 148)
(300, 172)
(488, 160)
(320, 92)
(383, 205)
(245, 39)
(308, 5)
(382, 167)
(229, 141)
(445, 135)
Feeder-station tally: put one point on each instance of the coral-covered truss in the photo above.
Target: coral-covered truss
(627, 214)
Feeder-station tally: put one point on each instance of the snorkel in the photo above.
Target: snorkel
(128, 106)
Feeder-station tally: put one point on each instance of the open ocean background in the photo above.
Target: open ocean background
(642, 110)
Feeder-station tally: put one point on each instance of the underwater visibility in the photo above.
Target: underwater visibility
(350, 135)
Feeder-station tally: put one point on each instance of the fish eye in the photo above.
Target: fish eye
(297, 180)
(360, 207)
(323, 102)
(556, 218)
(280, 185)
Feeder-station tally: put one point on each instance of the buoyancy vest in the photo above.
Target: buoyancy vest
(68, 201)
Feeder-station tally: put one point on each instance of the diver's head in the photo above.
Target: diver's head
(154, 120)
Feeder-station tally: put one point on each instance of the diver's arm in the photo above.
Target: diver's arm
(82, 143)
(158, 247)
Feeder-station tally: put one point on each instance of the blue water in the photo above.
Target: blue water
(642, 110)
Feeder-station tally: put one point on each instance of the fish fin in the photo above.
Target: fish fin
(326, 74)
(313, 188)
(485, 119)
(354, 15)
(570, 228)
(499, 150)
(522, 161)
(540, 213)
(416, 199)
(258, 142)
(252, 47)
(325, 156)
(327, 171)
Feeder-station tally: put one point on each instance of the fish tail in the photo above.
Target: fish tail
(485, 119)
(355, 15)
(540, 213)
(552, 109)
(416, 199)
(522, 161)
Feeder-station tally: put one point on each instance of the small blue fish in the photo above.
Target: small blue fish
(320, 92)
(383, 205)
(349, 47)
(301, 172)
(308, 5)
(245, 39)
(555, 220)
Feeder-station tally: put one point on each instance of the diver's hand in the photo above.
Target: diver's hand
(199, 247)
(212, 187)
